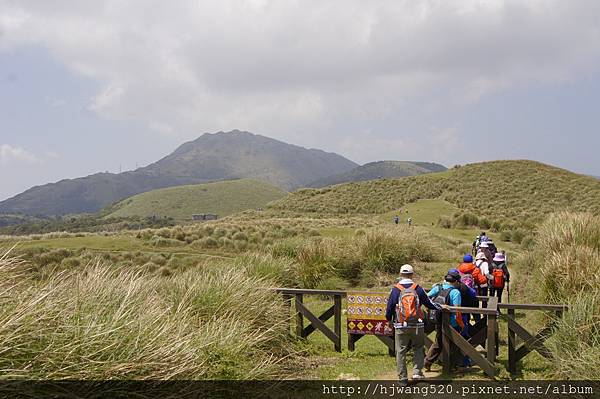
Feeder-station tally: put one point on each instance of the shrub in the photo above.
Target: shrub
(164, 242)
(239, 236)
(70, 263)
(266, 266)
(444, 222)
(207, 242)
(288, 247)
(313, 264)
(159, 260)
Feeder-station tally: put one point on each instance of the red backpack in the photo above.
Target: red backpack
(498, 278)
(408, 308)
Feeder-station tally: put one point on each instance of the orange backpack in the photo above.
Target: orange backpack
(408, 308)
(498, 278)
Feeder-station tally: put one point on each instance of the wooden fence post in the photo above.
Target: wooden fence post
(492, 327)
(512, 343)
(337, 321)
(299, 317)
(446, 343)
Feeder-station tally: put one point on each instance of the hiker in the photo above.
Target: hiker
(409, 221)
(475, 246)
(499, 276)
(471, 275)
(447, 293)
(484, 247)
(404, 311)
(484, 269)
(468, 297)
(483, 237)
(492, 247)
(468, 293)
(396, 219)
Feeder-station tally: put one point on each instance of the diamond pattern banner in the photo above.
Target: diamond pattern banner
(366, 313)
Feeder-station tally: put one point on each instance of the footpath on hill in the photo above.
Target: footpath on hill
(370, 359)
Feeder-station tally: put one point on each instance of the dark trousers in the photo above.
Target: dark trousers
(435, 350)
(497, 292)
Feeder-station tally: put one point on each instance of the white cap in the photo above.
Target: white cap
(484, 245)
(406, 269)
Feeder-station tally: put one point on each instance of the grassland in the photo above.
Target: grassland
(221, 198)
(285, 246)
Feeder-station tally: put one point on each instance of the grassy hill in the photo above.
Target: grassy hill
(221, 198)
(510, 191)
(380, 170)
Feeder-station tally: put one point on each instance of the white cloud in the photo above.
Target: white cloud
(10, 155)
(299, 70)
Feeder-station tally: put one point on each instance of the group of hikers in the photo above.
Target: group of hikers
(483, 274)
(397, 220)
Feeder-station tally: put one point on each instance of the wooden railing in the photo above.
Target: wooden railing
(316, 322)
(485, 330)
(531, 342)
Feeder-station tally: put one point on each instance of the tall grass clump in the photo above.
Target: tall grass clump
(388, 249)
(568, 245)
(105, 323)
(569, 249)
(375, 250)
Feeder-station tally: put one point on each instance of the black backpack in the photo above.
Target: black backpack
(442, 298)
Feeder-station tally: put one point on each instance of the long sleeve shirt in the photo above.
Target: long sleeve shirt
(454, 300)
(424, 300)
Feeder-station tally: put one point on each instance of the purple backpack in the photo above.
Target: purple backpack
(467, 280)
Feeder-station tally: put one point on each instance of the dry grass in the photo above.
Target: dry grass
(104, 323)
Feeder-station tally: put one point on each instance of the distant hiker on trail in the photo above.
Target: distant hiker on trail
(484, 269)
(396, 219)
(499, 276)
(447, 293)
(404, 311)
(483, 237)
(409, 221)
(484, 247)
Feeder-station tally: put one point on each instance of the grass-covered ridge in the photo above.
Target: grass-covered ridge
(511, 191)
(222, 198)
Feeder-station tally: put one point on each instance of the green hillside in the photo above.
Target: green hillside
(221, 198)
(380, 170)
(510, 191)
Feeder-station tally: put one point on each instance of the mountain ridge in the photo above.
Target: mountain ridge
(210, 157)
(379, 170)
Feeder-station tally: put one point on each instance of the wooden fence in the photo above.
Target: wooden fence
(485, 331)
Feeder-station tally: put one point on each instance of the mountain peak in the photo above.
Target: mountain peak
(211, 157)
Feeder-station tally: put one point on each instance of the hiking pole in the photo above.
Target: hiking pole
(508, 290)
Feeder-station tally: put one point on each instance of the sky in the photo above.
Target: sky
(91, 86)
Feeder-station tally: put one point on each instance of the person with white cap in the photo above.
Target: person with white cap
(499, 275)
(405, 313)
(484, 268)
(484, 247)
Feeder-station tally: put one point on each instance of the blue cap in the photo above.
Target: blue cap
(468, 258)
(453, 271)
